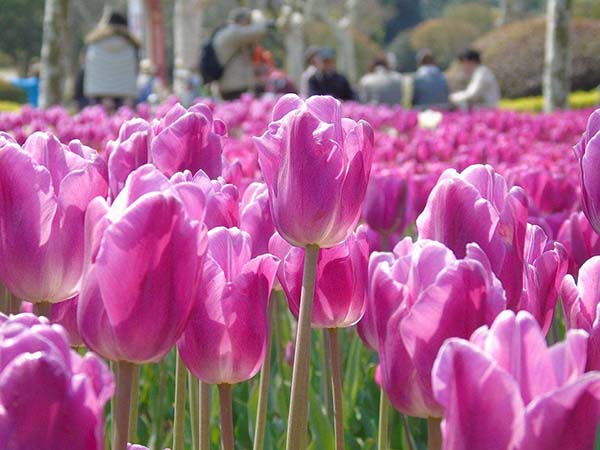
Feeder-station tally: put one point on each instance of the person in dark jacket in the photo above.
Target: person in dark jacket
(430, 87)
(327, 80)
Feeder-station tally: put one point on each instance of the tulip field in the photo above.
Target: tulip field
(299, 274)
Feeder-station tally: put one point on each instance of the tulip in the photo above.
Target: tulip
(226, 339)
(588, 154)
(420, 296)
(316, 165)
(255, 217)
(188, 139)
(504, 388)
(65, 314)
(579, 239)
(50, 397)
(477, 206)
(46, 188)
(580, 305)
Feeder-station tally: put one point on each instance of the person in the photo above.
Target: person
(111, 62)
(381, 85)
(30, 84)
(311, 56)
(327, 80)
(483, 90)
(78, 90)
(270, 81)
(430, 86)
(233, 46)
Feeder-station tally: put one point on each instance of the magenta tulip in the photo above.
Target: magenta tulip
(579, 239)
(65, 314)
(588, 155)
(255, 217)
(340, 289)
(316, 165)
(580, 305)
(45, 189)
(50, 397)
(477, 206)
(144, 261)
(188, 139)
(505, 389)
(226, 338)
(420, 296)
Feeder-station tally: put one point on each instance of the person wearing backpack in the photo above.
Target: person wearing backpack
(232, 46)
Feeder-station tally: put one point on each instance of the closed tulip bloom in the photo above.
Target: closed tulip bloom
(477, 206)
(421, 297)
(316, 165)
(341, 282)
(65, 314)
(580, 305)
(255, 217)
(544, 269)
(588, 155)
(143, 264)
(188, 140)
(579, 239)
(386, 205)
(505, 389)
(45, 189)
(226, 338)
(50, 397)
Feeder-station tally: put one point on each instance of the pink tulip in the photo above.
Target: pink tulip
(580, 305)
(45, 190)
(226, 338)
(579, 239)
(341, 282)
(50, 397)
(188, 139)
(144, 261)
(316, 165)
(588, 155)
(505, 389)
(545, 266)
(255, 217)
(65, 314)
(477, 206)
(386, 205)
(418, 297)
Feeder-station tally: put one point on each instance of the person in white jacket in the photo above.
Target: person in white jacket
(233, 46)
(483, 90)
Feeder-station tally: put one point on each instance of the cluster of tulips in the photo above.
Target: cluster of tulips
(445, 241)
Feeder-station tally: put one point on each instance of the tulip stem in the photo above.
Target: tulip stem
(133, 410)
(336, 388)
(194, 409)
(410, 441)
(326, 341)
(125, 371)
(43, 309)
(276, 340)
(205, 412)
(157, 416)
(384, 417)
(434, 433)
(263, 385)
(225, 408)
(298, 415)
(179, 420)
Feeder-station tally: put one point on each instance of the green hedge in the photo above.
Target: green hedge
(577, 100)
(10, 93)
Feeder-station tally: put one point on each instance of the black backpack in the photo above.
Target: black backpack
(210, 67)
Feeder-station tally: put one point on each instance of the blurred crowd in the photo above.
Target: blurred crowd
(234, 61)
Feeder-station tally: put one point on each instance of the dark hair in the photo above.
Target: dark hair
(378, 62)
(117, 18)
(470, 55)
(425, 57)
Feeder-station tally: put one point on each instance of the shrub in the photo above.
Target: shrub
(480, 16)
(10, 93)
(577, 100)
(516, 55)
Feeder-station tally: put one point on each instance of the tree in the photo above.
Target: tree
(52, 71)
(557, 60)
(21, 24)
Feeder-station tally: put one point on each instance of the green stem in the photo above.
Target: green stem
(42, 309)
(326, 343)
(384, 417)
(158, 402)
(263, 384)
(205, 412)
(133, 410)
(14, 303)
(298, 415)
(122, 404)
(409, 437)
(4, 300)
(194, 408)
(434, 433)
(179, 420)
(225, 408)
(276, 344)
(336, 385)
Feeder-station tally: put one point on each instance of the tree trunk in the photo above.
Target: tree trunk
(187, 29)
(557, 61)
(292, 26)
(511, 10)
(345, 35)
(52, 68)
